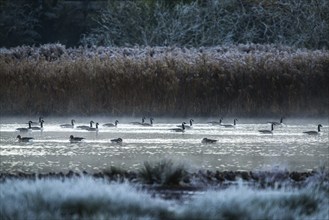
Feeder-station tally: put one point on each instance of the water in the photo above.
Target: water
(240, 148)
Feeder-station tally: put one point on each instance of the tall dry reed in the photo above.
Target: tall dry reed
(246, 80)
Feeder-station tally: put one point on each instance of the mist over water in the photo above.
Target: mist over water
(239, 148)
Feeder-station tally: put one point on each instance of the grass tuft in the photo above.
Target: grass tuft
(165, 173)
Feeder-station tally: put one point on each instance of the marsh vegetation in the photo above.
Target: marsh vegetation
(249, 79)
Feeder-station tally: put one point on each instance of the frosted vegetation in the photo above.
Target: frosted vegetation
(271, 195)
(87, 198)
(300, 23)
(188, 23)
(245, 79)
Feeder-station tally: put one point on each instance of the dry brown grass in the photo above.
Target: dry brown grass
(240, 80)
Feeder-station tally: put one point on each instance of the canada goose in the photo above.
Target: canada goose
(24, 139)
(75, 139)
(208, 141)
(68, 125)
(148, 124)
(182, 129)
(277, 123)
(111, 124)
(38, 128)
(216, 122)
(36, 123)
(187, 126)
(93, 129)
(25, 129)
(230, 125)
(138, 123)
(267, 131)
(313, 132)
(117, 140)
(85, 127)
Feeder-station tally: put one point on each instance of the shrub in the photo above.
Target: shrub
(164, 172)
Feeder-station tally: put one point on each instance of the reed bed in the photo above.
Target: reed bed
(245, 80)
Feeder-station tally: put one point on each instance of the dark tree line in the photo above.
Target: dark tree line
(35, 22)
(190, 23)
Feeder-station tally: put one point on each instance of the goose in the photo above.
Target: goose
(208, 141)
(25, 129)
(182, 129)
(36, 123)
(187, 126)
(68, 125)
(75, 139)
(138, 123)
(85, 127)
(148, 124)
(314, 132)
(216, 122)
(276, 123)
(230, 125)
(24, 139)
(93, 129)
(38, 128)
(267, 131)
(117, 140)
(111, 124)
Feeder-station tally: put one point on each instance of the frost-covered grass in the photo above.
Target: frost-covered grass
(247, 79)
(89, 198)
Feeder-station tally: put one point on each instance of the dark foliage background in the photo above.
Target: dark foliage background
(190, 23)
(35, 22)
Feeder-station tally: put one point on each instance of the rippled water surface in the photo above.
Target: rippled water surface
(239, 148)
